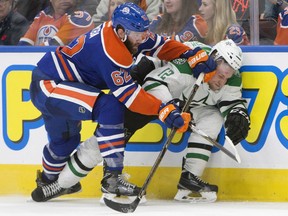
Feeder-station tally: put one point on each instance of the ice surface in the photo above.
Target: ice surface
(22, 206)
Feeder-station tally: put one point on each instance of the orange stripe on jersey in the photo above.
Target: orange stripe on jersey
(127, 94)
(172, 49)
(88, 99)
(63, 63)
(76, 48)
(48, 86)
(114, 47)
(110, 144)
(145, 103)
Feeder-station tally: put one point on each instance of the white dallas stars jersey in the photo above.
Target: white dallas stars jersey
(175, 80)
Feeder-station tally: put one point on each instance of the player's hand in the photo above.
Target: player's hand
(200, 62)
(142, 69)
(187, 119)
(237, 125)
(170, 114)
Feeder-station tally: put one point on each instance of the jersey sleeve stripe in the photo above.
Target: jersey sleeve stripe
(65, 67)
(127, 94)
(75, 72)
(56, 63)
(132, 97)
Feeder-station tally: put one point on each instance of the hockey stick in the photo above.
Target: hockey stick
(234, 156)
(130, 207)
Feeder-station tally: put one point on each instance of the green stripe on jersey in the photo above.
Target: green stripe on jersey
(153, 85)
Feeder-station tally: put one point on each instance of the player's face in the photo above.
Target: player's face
(207, 9)
(223, 72)
(135, 39)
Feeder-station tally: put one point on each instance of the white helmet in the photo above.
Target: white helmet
(230, 52)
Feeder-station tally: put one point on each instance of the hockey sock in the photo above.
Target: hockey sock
(80, 163)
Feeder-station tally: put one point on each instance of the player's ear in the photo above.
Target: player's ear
(121, 33)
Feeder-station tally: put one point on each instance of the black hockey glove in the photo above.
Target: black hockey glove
(140, 70)
(237, 125)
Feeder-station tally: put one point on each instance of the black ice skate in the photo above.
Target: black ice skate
(46, 191)
(192, 189)
(115, 185)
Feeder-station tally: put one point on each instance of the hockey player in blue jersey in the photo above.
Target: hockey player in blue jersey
(67, 87)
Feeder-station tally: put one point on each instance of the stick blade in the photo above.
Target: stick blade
(122, 207)
(234, 148)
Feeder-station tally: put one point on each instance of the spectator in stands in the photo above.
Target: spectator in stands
(12, 24)
(58, 24)
(89, 5)
(112, 5)
(282, 28)
(180, 22)
(222, 23)
(151, 7)
(30, 8)
(273, 8)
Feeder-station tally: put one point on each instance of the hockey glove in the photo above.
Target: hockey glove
(170, 114)
(237, 124)
(140, 71)
(187, 116)
(199, 61)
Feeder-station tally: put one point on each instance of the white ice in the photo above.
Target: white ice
(24, 206)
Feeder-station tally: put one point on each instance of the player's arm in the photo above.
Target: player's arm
(142, 69)
(137, 100)
(166, 49)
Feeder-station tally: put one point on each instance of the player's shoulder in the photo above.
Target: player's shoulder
(235, 80)
(181, 65)
(114, 48)
(194, 44)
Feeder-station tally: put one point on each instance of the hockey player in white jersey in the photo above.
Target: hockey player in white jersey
(218, 101)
